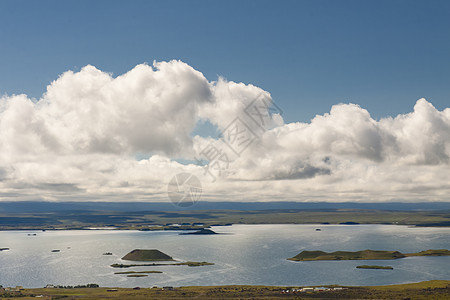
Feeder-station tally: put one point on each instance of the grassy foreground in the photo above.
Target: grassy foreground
(436, 289)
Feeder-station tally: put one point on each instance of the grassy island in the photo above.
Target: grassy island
(147, 255)
(194, 264)
(363, 255)
(201, 231)
(141, 272)
(187, 263)
(375, 267)
(155, 255)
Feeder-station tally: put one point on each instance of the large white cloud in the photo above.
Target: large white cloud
(82, 140)
(144, 110)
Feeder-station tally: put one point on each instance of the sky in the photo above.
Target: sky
(260, 100)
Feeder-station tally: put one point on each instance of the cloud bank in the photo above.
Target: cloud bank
(93, 136)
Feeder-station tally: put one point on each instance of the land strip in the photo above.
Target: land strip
(197, 219)
(436, 289)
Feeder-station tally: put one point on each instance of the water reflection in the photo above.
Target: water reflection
(249, 254)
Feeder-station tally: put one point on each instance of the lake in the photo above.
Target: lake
(243, 254)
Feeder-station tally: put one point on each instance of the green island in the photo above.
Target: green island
(201, 231)
(435, 289)
(155, 255)
(363, 255)
(375, 267)
(141, 272)
(194, 263)
(137, 275)
(187, 263)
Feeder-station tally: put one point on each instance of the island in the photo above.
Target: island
(4, 249)
(147, 255)
(375, 267)
(201, 231)
(194, 263)
(363, 255)
(107, 253)
(141, 272)
(187, 263)
(155, 255)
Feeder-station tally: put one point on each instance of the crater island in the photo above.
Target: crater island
(155, 255)
(147, 255)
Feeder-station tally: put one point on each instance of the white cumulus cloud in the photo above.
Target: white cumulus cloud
(93, 136)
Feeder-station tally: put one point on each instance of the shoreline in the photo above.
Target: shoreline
(438, 289)
(406, 283)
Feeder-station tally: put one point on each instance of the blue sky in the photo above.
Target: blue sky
(97, 136)
(382, 55)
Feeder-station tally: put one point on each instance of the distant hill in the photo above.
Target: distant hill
(152, 216)
(42, 206)
(363, 255)
(147, 255)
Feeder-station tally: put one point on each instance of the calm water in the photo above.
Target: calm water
(247, 254)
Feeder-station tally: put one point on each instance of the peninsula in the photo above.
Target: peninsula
(363, 255)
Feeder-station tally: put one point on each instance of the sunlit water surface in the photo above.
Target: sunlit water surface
(244, 254)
